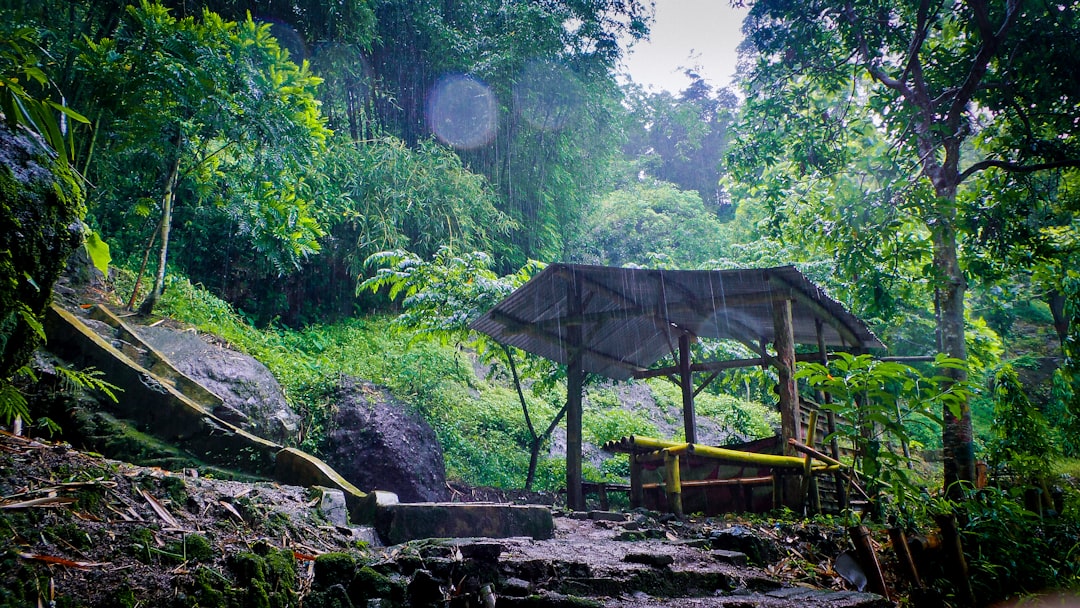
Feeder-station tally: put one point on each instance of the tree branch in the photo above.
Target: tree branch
(989, 47)
(1012, 167)
(521, 395)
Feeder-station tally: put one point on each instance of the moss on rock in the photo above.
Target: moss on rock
(41, 211)
(336, 568)
(266, 578)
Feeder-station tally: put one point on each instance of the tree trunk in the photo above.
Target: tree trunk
(1056, 300)
(148, 305)
(959, 450)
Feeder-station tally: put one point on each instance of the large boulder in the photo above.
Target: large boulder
(377, 443)
(252, 397)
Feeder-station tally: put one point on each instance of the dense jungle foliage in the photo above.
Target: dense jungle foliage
(341, 186)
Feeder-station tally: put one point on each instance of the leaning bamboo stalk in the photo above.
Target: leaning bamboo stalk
(903, 553)
(809, 486)
(860, 538)
(766, 460)
(955, 561)
(809, 451)
(834, 465)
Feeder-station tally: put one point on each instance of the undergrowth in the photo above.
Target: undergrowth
(478, 420)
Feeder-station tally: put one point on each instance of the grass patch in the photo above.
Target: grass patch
(478, 421)
(1067, 466)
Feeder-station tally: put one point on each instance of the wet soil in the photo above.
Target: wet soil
(77, 529)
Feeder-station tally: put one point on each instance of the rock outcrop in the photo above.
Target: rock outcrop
(375, 442)
(252, 397)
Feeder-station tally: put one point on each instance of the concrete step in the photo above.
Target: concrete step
(403, 522)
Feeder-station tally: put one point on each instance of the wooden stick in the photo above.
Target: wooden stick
(903, 553)
(860, 537)
(955, 562)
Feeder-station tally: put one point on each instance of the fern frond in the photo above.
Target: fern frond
(12, 403)
(88, 379)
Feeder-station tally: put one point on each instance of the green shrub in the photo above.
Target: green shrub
(1012, 551)
(1021, 440)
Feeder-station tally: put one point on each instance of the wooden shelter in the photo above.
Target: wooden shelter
(619, 322)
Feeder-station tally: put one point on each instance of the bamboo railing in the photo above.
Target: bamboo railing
(647, 449)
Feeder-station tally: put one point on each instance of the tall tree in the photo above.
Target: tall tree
(957, 88)
(650, 224)
(682, 138)
(210, 109)
(524, 91)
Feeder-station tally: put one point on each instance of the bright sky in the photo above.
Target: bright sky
(688, 33)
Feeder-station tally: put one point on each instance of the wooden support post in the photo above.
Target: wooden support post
(637, 492)
(673, 482)
(777, 490)
(686, 380)
(784, 341)
(575, 499)
(575, 378)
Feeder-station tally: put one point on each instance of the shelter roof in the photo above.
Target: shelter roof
(626, 319)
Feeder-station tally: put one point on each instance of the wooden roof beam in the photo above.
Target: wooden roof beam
(818, 310)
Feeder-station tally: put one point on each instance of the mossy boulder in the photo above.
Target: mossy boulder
(266, 578)
(41, 211)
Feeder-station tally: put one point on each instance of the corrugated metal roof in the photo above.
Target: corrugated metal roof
(629, 318)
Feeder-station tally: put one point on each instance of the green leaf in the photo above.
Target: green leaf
(98, 251)
(31, 320)
(72, 114)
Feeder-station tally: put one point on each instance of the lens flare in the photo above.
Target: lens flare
(462, 112)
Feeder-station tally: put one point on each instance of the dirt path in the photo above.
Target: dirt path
(81, 530)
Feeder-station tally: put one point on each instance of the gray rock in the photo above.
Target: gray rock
(515, 587)
(656, 560)
(607, 516)
(759, 550)
(252, 397)
(377, 443)
(734, 558)
(332, 506)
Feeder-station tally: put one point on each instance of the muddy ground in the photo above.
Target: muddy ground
(77, 529)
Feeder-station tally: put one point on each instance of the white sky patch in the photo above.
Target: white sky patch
(688, 33)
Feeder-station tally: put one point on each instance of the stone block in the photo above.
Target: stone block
(299, 468)
(411, 521)
(607, 516)
(735, 558)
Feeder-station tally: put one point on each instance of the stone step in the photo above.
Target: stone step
(403, 522)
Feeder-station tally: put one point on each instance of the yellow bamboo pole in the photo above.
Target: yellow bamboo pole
(654, 456)
(809, 485)
(766, 460)
(650, 443)
(673, 482)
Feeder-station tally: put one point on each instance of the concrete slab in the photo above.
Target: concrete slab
(412, 521)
